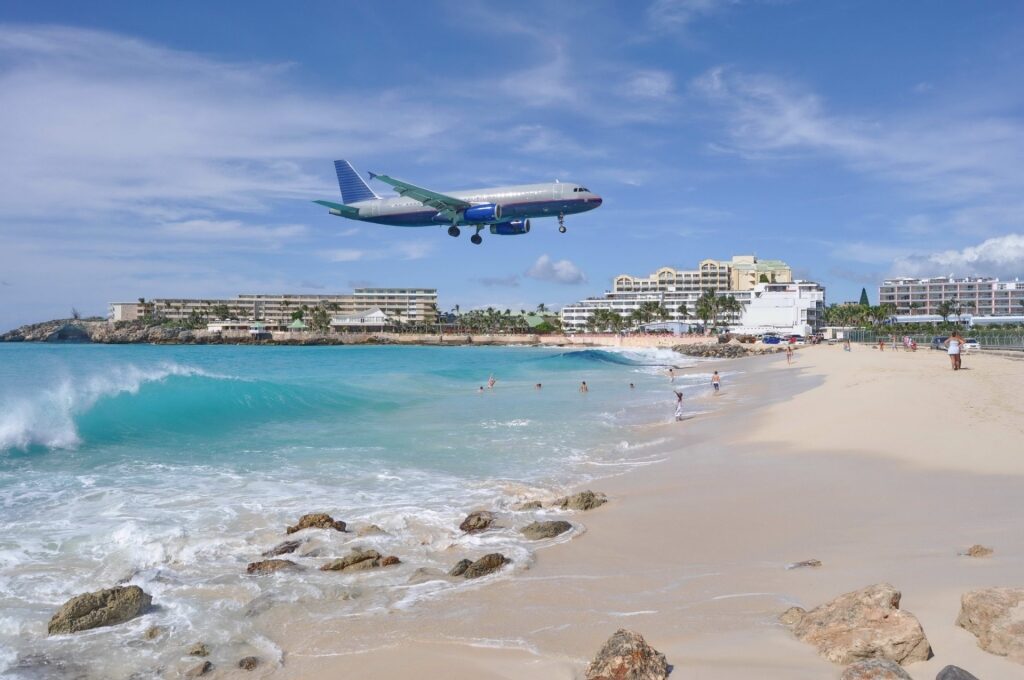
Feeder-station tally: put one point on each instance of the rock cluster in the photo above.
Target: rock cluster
(102, 608)
(477, 521)
(977, 550)
(996, 617)
(485, 565)
(584, 500)
(249, 663)
(360, 560)
(283, 548)
(317, 520)
(864, 624)
(549, 529)
(627, 656)
(732, 349)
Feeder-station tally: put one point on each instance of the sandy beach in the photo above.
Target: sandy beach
(881, 465)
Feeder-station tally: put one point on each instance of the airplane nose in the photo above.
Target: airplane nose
(598, 200)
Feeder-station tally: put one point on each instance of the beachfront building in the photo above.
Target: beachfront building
(782, 306)
(740, 274)
(411, 305)
(981, 296)
(367, 320)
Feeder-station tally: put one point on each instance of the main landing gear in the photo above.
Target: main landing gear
(561, 223)
(475, 238)
(453, 231)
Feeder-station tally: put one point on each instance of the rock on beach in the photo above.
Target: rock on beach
(875, 669)
(584, 500)
(864, 624)
(316, 520)
(101, 608)
(477, 521)
(360, 560)
(954, 673)
(249, 663)
(269, 566)
(977, 550)
(627, 656)
(487, 564)
(996, 617)
(549, 529)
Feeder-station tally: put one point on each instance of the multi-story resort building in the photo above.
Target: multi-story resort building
(413, 305)
(771, 300)
(980, 296)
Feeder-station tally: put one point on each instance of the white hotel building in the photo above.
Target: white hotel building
(977, 296)
(772, 301)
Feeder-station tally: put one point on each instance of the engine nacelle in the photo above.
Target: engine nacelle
(485, 212)
(513, 228)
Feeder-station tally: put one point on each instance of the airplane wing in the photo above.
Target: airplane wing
(439, 202)
(342, 210)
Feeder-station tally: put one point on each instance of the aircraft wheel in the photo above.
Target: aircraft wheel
(561, 229)
(475, 239)
(453, 231)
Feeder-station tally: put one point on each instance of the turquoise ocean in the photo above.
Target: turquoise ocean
(172, 467)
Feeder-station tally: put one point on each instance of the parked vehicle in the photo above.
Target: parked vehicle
(971, 343)
(771, 339)
(939, 342)
(796, 339)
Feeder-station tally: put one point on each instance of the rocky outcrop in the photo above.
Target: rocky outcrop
(627, 656)
(732, 349)
(317, 520)
(360, 560)
(200, 670)
(954, 673)
(864, 624)
(269, 566)
(528, 505)
(477, 521)
(249, 663)
(539, 530)
(198, 649)
(875, 669)
(102, 608)
(152, 633)
(996, 617)
(283, 548)
(804, 563)
(977, 550)
(488, 564)
(584, 500)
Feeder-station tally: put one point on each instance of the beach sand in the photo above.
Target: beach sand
(881, 465)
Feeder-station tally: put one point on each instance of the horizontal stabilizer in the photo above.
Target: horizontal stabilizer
(339, 209)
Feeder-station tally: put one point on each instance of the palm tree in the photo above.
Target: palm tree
(682, 311)
(706, 307)
(945, 310)
(541, 308)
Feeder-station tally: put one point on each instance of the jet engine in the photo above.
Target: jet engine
(485, 212)
(513, 228)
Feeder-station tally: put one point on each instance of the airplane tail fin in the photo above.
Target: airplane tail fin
(353, 188)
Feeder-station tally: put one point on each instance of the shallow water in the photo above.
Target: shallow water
(172, 467)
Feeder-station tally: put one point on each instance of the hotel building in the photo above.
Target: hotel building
(415, 305)
(977, 296)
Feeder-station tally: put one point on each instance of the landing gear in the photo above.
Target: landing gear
(561, 223)
(453, 231)
(475, 238)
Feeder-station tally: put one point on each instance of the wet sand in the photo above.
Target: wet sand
(881, 465)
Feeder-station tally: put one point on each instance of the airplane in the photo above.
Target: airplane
(506, 211)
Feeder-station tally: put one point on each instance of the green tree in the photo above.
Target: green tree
(221, 311)
(319, 319)
(864, 301)
(542, 308)
(298, 315)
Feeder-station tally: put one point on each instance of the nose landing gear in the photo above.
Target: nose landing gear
(561, 223)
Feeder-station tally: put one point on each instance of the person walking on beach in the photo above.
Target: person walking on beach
(679, 405)
(846, 345)
(671, 374)
(954, 346)
(583, 387)
(716, 382)
(789, 354)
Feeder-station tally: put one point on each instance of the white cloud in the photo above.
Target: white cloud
(944, 156)
(233, 230)
(344, 255)
(1000, 256)
(562, 271)
(650, 84)
(402, 250)
(678, 15)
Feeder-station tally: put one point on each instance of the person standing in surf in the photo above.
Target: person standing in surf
(671, 374)
(679, 405)
(583, 387)
(716, 382)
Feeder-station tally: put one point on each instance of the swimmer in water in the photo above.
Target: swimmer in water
(583, 387)
(490, 382)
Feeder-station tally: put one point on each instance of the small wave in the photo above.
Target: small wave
(627, 356)
(48, 419)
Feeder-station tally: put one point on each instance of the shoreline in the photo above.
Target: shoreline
(692, 552)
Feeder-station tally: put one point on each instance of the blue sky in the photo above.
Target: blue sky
(173, 149)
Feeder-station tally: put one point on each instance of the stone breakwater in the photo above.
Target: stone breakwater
(733, 349)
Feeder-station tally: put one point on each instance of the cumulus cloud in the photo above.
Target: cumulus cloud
(1002, 256)
(562, 271)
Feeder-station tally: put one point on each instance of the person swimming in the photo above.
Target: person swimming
(583, 387)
